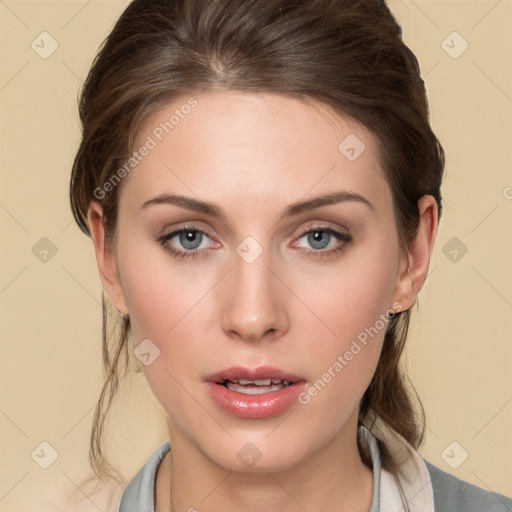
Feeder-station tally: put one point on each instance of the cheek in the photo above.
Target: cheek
(167, 305)
(351, 298)
(352, 305)
(160, 293)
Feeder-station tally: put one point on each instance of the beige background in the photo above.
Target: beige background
(459, 352)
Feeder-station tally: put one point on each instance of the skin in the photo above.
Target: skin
(253, 155)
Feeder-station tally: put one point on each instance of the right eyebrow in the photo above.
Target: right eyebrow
(188, 203)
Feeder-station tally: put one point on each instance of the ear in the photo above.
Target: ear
(415, 259)
(105, 258)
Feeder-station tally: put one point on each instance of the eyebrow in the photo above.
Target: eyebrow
(292, 210)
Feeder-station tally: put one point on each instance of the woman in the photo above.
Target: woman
(262, 188)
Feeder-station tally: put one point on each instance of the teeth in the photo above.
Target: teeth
(261, 382)
(254, 389)
(245, 382)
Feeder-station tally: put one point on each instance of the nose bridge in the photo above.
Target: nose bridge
(252, 306)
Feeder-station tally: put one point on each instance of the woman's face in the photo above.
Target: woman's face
(232, 269)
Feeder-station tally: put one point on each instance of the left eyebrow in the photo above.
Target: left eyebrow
(325, 200)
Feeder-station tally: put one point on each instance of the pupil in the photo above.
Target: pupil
(319, 239)
(190, 239)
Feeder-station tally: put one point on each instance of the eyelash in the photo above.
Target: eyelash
(196, 254)
(181, 255)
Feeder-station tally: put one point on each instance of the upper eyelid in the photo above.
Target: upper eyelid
(170, 233)
(322, 225)
(319, 225)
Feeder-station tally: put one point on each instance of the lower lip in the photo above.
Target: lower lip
(261, 406)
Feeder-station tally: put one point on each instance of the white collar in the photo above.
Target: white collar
(414, 478)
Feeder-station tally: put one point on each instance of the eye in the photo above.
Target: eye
(191, 242)
(323, 241)
(186, 242)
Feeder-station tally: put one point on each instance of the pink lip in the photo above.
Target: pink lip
(259, 373)
(261, 406)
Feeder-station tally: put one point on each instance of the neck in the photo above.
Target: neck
(333, 478)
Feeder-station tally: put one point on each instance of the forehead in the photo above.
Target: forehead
(255, 147)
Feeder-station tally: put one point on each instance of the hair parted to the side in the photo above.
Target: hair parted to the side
(346, 54)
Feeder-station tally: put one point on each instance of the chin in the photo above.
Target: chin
(269, 451)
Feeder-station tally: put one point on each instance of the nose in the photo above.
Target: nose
(253, 301)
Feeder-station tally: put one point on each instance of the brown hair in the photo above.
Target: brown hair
(346, 54)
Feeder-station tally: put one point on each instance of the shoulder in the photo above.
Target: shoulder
(139, 495)
(451, 494)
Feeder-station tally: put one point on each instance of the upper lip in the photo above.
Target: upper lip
(251, 373)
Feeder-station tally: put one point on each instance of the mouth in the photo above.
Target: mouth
(253, 380)
(254, 393)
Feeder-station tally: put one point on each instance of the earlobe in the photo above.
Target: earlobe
(105, 258)
(414, 264)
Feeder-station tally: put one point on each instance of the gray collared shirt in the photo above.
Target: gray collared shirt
(450, 493)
